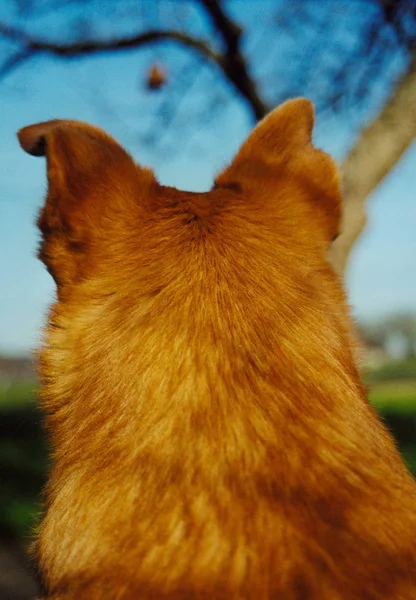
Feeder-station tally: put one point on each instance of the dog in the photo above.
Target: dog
(210, 434)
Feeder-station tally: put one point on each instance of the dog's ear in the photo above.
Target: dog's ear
(92, 183)
(279, 147)
(279, 136)
(80, 159)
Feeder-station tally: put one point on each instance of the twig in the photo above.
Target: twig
(32, 45)
(233, 62)
(14, 61)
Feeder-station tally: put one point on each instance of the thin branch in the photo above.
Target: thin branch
(233, 62)
(14, 61)
(72, 50)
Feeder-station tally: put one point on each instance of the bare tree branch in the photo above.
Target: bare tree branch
(30, 45)
(233, 62)
(14, 61)
(378, 149)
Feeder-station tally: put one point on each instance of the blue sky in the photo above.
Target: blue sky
(382, 274)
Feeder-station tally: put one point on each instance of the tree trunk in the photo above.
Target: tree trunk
(379, 147)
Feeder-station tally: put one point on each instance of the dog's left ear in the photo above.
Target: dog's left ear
(93, 183)
(81, 160)
(280, 146)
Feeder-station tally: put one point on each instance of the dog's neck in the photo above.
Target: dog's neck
(201, 369)
(186, 403)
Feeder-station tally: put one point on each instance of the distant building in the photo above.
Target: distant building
(16, 369)
(372, 351)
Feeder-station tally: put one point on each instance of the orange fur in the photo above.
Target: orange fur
(210, 434)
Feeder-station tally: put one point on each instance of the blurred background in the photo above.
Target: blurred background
(180, 83)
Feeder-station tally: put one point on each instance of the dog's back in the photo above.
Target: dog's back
(211, 437)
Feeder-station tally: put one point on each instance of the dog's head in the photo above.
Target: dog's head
(97, 194)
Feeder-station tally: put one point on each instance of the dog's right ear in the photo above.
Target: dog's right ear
(279, 147)
(92, 183)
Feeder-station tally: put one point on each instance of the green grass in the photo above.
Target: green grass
(409, 456)
(394, 396)
(395, 399)
(393, 371)
(17, 393)
(23, 461)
